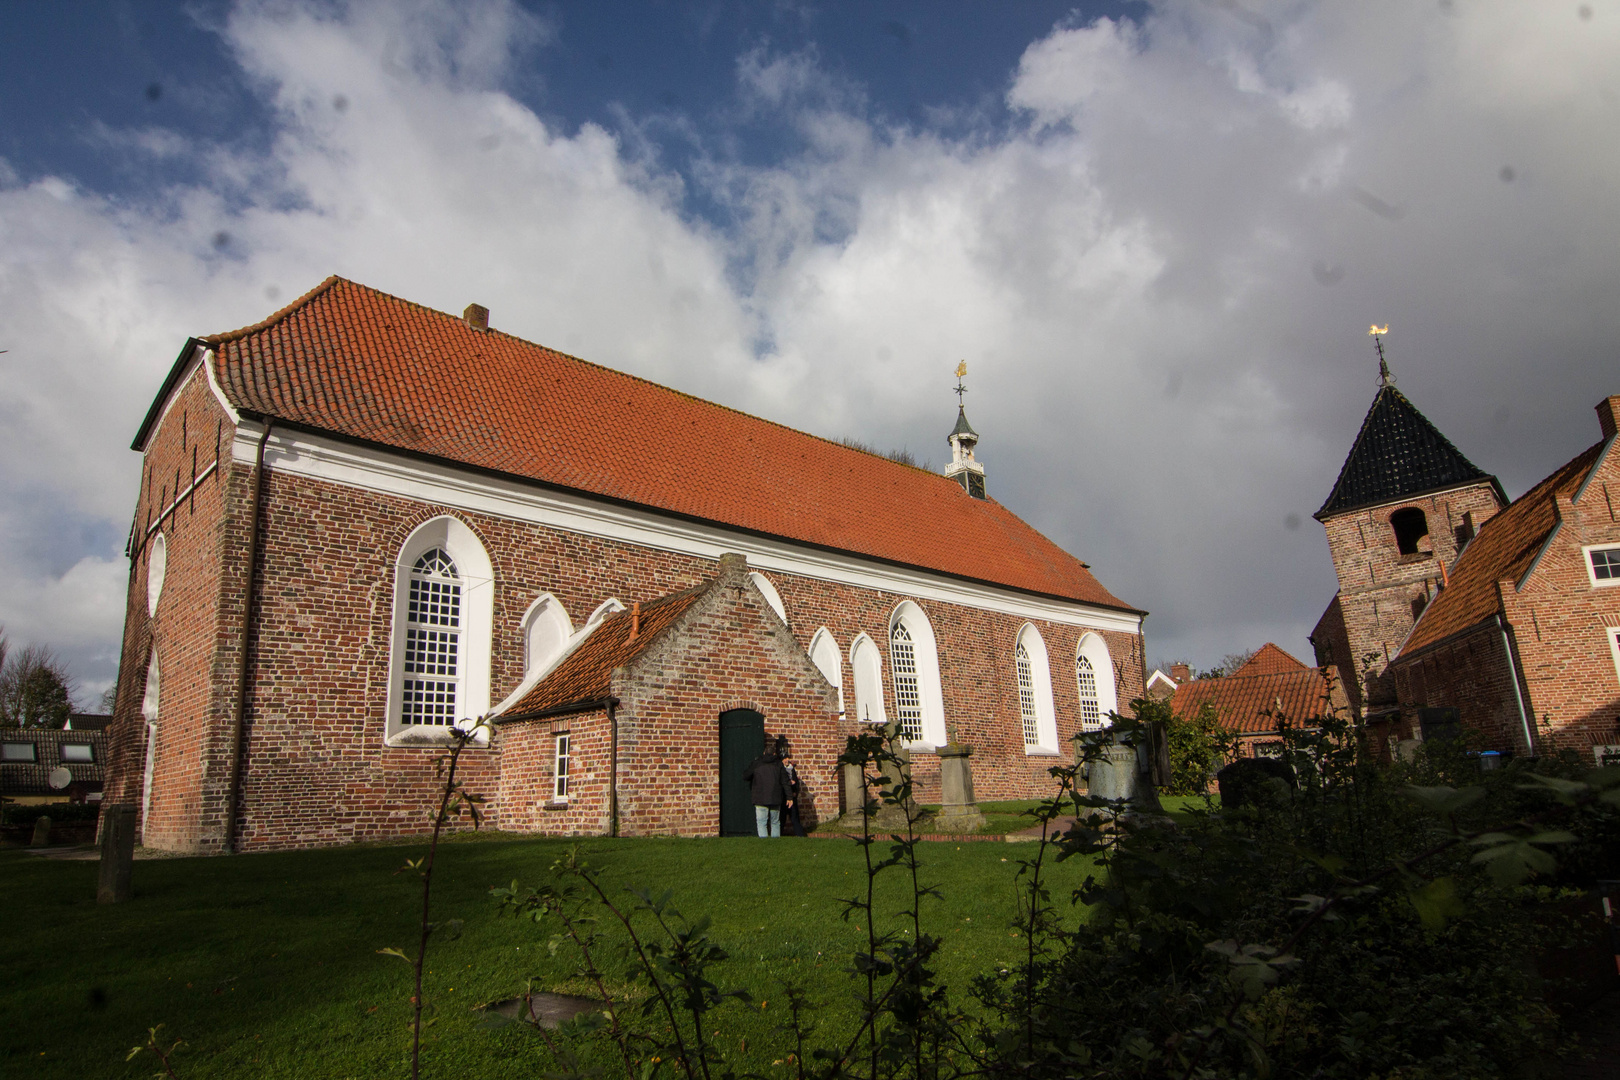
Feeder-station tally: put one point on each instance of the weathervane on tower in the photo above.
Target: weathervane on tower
(1378, 332)
(961, 370)
(964, 468)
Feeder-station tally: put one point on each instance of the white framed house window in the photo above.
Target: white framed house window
(1603, 565)
(443, 615)
(914, 666)
(1094, 682)
(157, 567)
(1614, 648)
(559, 772)
(824, 654)
(867, 664)
(1036, 707)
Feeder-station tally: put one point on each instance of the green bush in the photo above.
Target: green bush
(59, 813)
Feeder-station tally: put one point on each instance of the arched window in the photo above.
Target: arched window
(443, 616)
(1035, 704)
(824, 654)
(157, 565)
(1410, 526)
(768, 591)
(867, 663)
(546, 630)
(1094, 682)
(149, 712)
(914, 667)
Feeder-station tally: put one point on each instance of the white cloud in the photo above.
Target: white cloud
(1160, 277)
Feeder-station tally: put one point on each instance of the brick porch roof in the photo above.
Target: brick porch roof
(1249, 701)
(358, 363)
(1502, 550)
(586, 674)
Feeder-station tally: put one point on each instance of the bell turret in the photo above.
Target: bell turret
(964, 467)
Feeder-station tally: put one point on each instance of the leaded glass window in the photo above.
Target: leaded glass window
(432, 641)
(1026, 697)
(907, 696)
(1085, 678)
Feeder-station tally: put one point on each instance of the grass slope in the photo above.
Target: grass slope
(266, 965)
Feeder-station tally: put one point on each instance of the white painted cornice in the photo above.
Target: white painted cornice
(370, 469)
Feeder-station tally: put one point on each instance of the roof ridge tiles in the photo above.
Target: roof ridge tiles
(276, 316)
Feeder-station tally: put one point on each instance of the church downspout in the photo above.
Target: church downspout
(239, 708)
(1518, 696)
(613, 766)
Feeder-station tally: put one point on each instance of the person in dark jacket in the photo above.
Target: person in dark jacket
(792, 786)
(768, 783)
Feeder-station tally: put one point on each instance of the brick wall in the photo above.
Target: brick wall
(317, 770)
(1381, 591)
(1472, 673)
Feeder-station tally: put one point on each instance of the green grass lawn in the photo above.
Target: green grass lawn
(266, 965)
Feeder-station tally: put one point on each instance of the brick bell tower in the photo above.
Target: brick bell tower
(1405, 505)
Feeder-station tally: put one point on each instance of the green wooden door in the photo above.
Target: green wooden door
(742, 739)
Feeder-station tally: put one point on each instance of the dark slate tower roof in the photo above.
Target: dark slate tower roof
(1398, 454)
(962, 426)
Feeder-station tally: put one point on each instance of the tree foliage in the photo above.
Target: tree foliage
(35, 688)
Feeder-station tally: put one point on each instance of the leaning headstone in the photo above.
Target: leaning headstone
(117, 853)
(1124, 772)
(891, 817)
(42, 831)
(959, 811)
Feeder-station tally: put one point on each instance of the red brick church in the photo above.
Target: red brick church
(362, 522)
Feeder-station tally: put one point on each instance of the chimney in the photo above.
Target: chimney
(1180, 672)
(1607, 410)
(476, 316)
(635, 620)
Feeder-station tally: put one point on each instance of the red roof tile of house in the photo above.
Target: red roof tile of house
(1502, 550)
(1269, 660)
(1251, 704)
(352, 361)
(586, 674)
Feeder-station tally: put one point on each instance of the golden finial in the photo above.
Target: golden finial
(1375, 329)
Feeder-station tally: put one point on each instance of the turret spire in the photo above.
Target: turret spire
(964, 468)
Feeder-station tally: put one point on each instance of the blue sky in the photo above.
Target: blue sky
(1156, 231)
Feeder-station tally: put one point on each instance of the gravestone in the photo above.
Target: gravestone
(117, 853)
(42, 831)
(958, 811)
(1125, 772)
(891, 817)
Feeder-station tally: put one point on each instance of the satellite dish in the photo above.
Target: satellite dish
(60, 777)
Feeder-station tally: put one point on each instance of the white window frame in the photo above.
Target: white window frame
(1095, 650)
(1591, 571)
(562, 760)
(1044, 718)
(931, 696)
(477, 629)
(768, 591)
(149, 712)
(157, 568)
(829, 661)
(1614, 648)
(866, 662)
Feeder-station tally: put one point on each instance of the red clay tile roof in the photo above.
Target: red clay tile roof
(1248, 704)
(586, 674)
(1269, 660)
(1502, 549)
(352, 361)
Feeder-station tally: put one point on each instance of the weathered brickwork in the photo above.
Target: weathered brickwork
(189, 757)
(1559, 620)
(316, 767)
(1382, 591)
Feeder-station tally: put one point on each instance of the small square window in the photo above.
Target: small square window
(77, 752)
(1605, 565)
(18, 751)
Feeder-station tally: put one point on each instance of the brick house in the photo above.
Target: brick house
(1406, 502)
(51, 765)
(1252, 701)
(1523, 642)
(361, 521)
